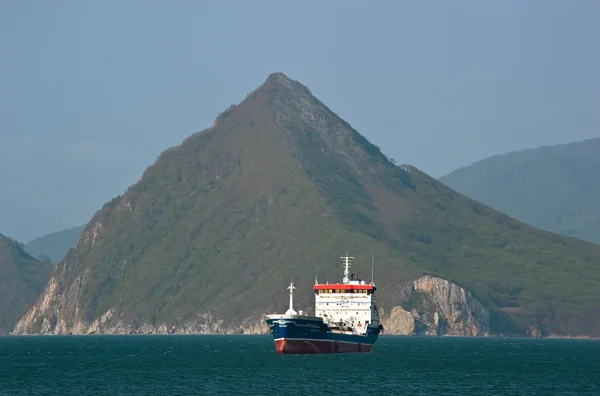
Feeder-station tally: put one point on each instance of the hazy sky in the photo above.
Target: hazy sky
(92, 91)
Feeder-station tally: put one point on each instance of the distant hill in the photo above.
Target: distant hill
(279, 187)
(22, 279)
(53, 246)
(555, 188)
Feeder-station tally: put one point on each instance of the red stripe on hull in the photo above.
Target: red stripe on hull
(294, 346)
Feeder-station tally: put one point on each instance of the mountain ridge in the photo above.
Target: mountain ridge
(212, 230)
(22, 279)
(550, 187)
(53, 246)
(527, 150)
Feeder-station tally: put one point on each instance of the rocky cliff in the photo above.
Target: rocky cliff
(434, 306)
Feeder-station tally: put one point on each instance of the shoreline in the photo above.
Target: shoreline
(268, 334)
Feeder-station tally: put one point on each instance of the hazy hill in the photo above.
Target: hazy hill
(277, 187)
(54, 245)
(556, 188)
(22, 279)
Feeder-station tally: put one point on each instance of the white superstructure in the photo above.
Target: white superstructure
(350, 305)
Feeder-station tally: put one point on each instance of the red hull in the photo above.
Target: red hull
(304, 346)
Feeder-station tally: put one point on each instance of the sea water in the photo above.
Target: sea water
(248, 365)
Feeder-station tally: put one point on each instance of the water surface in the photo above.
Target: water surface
(230, 365)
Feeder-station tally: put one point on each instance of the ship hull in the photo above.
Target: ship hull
(309, 335)
(318, 346)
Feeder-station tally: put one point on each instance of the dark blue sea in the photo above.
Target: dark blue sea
(247, 365)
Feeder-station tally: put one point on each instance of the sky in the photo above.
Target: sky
(92, 92)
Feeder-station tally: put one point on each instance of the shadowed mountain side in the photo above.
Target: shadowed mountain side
(22, 279)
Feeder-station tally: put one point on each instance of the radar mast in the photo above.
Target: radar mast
(347, 264)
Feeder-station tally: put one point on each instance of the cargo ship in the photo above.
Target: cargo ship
(346, 318)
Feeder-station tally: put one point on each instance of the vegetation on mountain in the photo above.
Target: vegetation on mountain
(22, 279)
(555, 188)
(53, 247)
(280, 187)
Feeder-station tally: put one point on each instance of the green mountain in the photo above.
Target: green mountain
(555, 188)
(54, 246)
(279, 187)
(22, 279)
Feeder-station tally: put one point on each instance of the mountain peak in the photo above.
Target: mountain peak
(278, 76)
(277, 82)
(281, 79)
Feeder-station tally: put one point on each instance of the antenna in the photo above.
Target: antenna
(317, 275)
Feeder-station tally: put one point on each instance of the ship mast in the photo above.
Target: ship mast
(346, 259)
(291, 288)
(372, 279)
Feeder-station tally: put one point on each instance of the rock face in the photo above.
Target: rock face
(399, 322)
(434, 306)
(108, 324)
